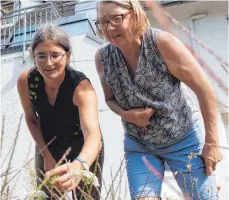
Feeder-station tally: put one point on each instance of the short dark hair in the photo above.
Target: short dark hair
(51, 32)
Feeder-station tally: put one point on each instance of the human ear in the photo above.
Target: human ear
(31, 54)
(68, 54)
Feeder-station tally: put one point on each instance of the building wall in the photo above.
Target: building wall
(11, 67)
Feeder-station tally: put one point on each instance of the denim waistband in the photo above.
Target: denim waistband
(195, 125)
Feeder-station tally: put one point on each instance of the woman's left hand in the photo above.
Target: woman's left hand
(66, 181)
(212, 155)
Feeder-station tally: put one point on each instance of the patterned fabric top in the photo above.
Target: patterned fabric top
(152, 86)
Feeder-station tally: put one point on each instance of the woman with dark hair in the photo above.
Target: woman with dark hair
(61, 104)
(141, 70)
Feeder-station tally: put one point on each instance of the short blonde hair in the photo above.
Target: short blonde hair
(142, 21)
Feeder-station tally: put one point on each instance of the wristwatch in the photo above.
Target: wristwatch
(84, 164)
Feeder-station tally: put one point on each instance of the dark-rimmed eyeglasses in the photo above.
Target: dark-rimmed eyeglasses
(114, 21)
(54, 57)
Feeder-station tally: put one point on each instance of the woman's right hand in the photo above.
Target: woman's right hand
(139, 116)
(49, 162)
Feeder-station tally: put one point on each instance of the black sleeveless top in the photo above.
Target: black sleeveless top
(62, 119)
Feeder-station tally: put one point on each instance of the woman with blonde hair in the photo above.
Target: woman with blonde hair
(141, 70)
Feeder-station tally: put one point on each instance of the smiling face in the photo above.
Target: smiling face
(121, 34)
(50, 59)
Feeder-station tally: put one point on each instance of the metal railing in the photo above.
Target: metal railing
(24, 24)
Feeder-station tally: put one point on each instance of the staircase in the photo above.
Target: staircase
(18, 26)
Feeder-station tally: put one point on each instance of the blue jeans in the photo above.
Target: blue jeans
(183, 157)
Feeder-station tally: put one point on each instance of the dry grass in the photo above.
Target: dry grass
(113, 191)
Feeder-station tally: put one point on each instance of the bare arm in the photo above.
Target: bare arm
(139, 116)
(30, 117)
(109, 97)
(184, 66)
(86, 100)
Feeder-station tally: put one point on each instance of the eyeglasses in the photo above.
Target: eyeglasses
(114, 21)
(55, 57)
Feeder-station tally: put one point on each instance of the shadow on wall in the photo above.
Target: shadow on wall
(18, 67)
